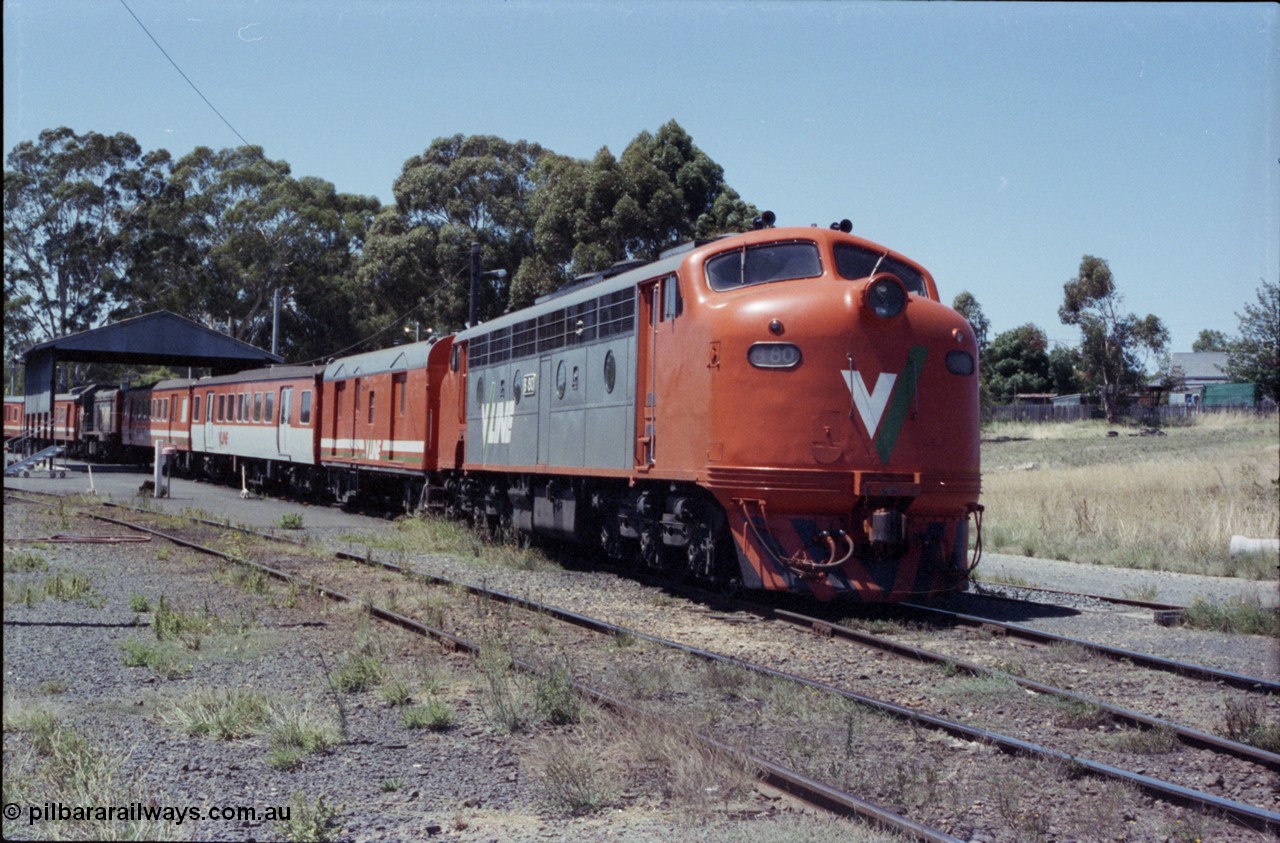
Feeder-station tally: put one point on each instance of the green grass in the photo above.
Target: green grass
(22, 561)
(1165, 503)
(436, 715)
(1239, 615)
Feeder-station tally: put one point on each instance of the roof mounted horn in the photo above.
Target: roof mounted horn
(765, 220)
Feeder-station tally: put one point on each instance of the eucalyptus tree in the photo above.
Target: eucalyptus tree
(69, 200)
(232, 230)
(1113, 343)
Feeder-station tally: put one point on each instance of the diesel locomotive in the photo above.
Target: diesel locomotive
(788, 409)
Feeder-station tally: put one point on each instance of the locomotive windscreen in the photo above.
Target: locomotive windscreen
(762, 264)
(855, 262)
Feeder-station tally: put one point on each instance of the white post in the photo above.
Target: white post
(156, 476)
(92, 490)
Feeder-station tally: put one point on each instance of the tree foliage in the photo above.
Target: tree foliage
(1210, 340)
(68, 202)
(1017, 362)
(1255, 356)
(1113, 344)
(967, 306)
(95, 229)
(233, 228)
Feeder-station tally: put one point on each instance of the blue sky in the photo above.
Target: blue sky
(995, 143)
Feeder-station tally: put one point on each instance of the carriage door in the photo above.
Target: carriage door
(286, 418)
(648, 315)
(210, 436)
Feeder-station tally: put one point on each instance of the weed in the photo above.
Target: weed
(139, 603)
(1078, 715)
(359, 670)
(296, 730)
(1157, 741)
(221, 713)
(396, 690)
(436, 715)
(159, 658)
(291, 521)
(309, 823)
(574, 779)
(19, 561)
(1240, 615)
(554, 696)
(64, 767)
(50, 687)
(1246, 721)
(391, 785)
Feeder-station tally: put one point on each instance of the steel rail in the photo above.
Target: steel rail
(810, 790)
(1122, 601)
(1187, 734)
(1199, 671)
(1251, 816)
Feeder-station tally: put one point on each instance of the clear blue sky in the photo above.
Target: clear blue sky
(995, 143)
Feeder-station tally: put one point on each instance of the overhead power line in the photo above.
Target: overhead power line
(184, 75)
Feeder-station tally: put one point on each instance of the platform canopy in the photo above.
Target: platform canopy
(156, 339)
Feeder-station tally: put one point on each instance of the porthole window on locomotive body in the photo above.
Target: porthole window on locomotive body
(610, 371)
(480, 390)
(562, 379)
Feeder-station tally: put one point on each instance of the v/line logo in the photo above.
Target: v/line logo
(883, 408)
(496, 418)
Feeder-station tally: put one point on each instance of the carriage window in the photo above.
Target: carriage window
(257, 406)
(855, 262)
(371, 395)
(305, 411)
(764, 264)
(222, 406)
(240, 414)
(195, 408)
(268, 407)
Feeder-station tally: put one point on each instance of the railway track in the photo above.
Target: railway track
(1248, 815)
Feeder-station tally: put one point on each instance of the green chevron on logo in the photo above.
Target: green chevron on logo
(899, 403)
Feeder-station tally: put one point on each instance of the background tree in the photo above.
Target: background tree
(1114, 344)
(663, 191)
(68, 199)
(460, 190)
(967, 306)
(1255, 356)
(230, 229)
(1017, 362)
(1064, 370)
(1209, 340)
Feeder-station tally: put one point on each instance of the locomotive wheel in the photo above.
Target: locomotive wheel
(610, 540)
(651, 548)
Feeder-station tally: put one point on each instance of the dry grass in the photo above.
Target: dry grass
(1168, 502)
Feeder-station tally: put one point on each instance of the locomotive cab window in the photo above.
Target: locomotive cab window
(856, 263)
(764, 264)
(304, 412)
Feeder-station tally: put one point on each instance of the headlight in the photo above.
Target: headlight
(885, 295)
(773, 355)
(959, 362)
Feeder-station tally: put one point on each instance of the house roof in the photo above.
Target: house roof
(1201, 365)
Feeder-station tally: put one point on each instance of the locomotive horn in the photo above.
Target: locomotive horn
(765, 220)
